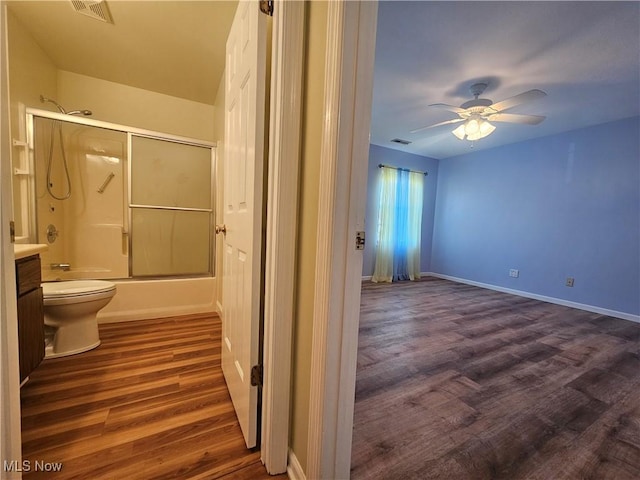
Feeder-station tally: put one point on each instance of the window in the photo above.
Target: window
(399, 225)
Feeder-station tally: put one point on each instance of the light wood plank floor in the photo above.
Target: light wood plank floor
(458, 382)
(149, 403)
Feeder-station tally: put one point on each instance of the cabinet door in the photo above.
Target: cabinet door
(30, 331)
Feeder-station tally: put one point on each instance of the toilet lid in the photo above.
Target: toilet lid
(76, 287)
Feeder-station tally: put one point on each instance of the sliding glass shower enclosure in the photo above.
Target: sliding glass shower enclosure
(115, 202)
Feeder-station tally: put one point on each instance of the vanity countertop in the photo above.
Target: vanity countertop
(22, 250)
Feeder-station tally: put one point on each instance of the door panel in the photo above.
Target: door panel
(245, 85)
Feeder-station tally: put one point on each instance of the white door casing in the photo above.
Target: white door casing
(10, 438)
(245, 83)
(351, 33)
(287, 61)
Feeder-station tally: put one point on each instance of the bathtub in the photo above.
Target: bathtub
(138, 299)
(144, 299)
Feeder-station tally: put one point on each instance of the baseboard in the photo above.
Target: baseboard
(366, 278)
(544, 298)
(294, 469)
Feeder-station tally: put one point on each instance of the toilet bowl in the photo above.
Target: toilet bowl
(70, 315)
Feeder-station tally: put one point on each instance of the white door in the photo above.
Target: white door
(245, 81)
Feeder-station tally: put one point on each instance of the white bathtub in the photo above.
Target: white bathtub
(143, 299)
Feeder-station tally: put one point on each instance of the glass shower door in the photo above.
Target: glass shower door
(171, 208)
(80, 179)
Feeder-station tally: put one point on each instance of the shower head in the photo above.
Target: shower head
(44, 99)
(80, 112)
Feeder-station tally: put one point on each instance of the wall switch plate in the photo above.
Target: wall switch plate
(514, 273)
(569, 282)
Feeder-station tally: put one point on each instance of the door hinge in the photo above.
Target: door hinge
(360, 241)
(266, 6)
(12, 231)
(256, 376)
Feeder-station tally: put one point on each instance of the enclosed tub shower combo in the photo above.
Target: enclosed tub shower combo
(117, 206)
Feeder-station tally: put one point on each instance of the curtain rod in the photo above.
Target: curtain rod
(380, 165)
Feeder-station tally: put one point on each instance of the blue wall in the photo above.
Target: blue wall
(558, 206)
(566, 205)
(397, 158)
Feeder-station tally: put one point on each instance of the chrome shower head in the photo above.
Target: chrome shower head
(86, 113)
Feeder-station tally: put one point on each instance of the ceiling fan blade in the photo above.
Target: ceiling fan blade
(516, 100)
(451, 108)
(455, 120)
(516, 118)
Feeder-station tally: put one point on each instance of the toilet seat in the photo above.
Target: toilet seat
(76, 288)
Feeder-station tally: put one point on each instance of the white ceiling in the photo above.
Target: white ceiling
(171, 47)
(584, 55)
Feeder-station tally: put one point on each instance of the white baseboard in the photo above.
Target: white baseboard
(294, 469)
(544, 298)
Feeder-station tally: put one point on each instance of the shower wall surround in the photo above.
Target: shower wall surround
(91, 225)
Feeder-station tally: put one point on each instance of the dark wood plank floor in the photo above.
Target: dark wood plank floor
(149, 403)
(459, 382)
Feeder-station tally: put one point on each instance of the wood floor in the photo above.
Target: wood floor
(458, 382)
(149, 403)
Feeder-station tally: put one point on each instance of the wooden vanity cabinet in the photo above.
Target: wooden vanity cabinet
(30, 314)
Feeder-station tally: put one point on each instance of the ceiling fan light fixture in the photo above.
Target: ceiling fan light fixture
(459, 132)
(486, 128)
(474, 129)
(472, 126)
(474, 113)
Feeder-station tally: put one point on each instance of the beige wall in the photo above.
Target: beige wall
(31, 74)
(307, 221)
(117, 103)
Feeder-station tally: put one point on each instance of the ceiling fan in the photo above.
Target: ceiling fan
(477, 113)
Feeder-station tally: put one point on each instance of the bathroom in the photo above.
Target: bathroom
(38, 74)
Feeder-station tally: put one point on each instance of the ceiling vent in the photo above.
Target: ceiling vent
(94, 9)
(401, 141)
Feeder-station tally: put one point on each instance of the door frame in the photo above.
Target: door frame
(351, 36)
(11, 444)
(287, 63)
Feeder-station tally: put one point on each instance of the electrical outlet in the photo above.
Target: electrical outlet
(514, 273)
(569, 282)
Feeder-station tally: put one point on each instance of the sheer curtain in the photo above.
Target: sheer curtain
(399, 225)
(386, 225)
(414, 224)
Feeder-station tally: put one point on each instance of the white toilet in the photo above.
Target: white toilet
(70, 311)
